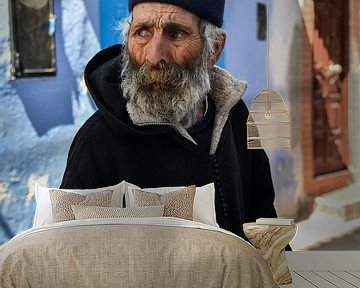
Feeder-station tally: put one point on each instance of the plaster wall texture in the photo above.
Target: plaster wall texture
(245, 55)
(246, 58)
(34, 138)
(285, 78)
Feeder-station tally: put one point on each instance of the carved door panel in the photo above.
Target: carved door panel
(330, 60)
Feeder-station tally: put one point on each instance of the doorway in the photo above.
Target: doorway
(325, 63)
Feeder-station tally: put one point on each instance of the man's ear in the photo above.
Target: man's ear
(219, 47)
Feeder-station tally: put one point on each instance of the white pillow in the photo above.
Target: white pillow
(204, 202)
(43, 212)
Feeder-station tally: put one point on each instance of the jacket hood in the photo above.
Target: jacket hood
(102, 77)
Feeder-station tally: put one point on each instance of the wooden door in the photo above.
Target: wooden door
(325, 65)
(330, 64)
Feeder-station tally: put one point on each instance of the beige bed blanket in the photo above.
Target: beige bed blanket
(158, 252)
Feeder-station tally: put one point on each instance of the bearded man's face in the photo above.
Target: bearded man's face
(165, 72)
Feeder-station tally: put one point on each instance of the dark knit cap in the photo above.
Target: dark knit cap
(210, 10)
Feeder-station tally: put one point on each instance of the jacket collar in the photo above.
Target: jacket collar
(226, 92)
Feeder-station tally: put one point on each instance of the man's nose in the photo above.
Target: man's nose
(158, 51)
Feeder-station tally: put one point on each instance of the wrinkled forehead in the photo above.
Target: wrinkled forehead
(160, 14)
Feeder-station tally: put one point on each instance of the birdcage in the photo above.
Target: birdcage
(268, 124)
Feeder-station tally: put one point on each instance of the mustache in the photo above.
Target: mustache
(170, 75)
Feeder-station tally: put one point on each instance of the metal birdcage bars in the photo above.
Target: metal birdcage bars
(268, 124)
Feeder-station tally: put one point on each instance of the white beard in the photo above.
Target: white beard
(177, 96)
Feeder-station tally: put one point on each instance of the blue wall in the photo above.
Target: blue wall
(111, 12)
(49, 97)
(245, 55)
(40, 115)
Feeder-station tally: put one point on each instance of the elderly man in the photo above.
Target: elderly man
(168, 117)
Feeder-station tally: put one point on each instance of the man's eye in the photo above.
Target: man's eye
(143, 33)
(177, 35)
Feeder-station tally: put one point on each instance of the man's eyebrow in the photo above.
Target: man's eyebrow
(176, 26)
(145, 24)
(167, 25)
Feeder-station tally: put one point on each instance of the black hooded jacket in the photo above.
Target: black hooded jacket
(109, 148)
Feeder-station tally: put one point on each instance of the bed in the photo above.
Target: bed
(161, 237)
(131, 252)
